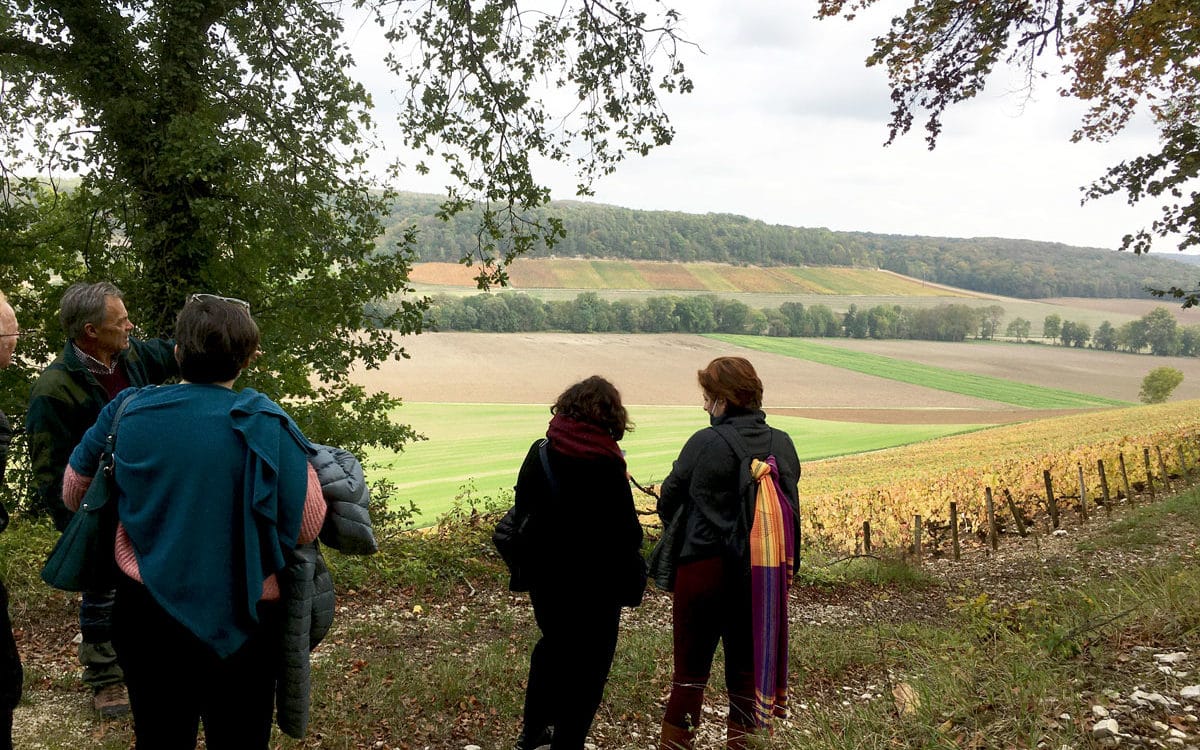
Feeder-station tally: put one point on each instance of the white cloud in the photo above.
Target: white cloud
(787, 125)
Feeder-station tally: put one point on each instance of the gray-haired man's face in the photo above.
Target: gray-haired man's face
(8, 334)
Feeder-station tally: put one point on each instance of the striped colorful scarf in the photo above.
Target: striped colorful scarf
(772, 550)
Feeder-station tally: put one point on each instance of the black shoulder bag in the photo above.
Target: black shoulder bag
(83, 558)
(513, 537)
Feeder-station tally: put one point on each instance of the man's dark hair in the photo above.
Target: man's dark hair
(85, 303)
(595, 401)
(215, 340)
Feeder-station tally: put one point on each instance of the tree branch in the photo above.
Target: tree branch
(44, 58)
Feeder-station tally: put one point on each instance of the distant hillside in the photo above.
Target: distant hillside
(1015, 268)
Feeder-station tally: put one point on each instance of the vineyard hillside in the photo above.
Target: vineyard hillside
(597, 275)
(990, 265)
(763, 288)
(888, 488)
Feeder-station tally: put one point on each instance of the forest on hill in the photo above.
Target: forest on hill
(1014, 268)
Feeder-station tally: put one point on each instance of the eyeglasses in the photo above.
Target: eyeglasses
(13, 335)
(218, 298)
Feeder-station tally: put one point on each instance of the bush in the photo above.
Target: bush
(1158, 385)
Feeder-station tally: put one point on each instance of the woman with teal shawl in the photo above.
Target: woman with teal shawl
(213, 487)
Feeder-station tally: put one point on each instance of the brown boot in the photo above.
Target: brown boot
(674, 738)
(111, 701)
(737, 736)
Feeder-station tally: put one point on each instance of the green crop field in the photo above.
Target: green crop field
(484, 444)
(942, 379)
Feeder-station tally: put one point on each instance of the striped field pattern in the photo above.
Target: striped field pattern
(905, 371)
(581, 273)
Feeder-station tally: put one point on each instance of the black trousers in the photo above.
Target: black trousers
(175, 680)
(569, 665)
(11, 673)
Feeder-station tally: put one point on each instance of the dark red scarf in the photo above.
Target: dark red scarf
(582, 439)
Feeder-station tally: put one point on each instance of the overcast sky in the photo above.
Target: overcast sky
(787, 125)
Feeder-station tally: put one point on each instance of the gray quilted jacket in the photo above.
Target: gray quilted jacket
(305, 586)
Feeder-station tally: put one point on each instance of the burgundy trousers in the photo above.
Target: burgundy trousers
(711, 605)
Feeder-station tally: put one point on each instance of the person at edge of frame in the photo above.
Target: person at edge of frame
(99, 360)
(11, 674)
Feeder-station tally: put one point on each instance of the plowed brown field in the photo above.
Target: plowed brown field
(661, 369)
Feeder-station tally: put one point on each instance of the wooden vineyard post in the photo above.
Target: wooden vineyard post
(1104, 487)
(1149, 472)
(993, 537)
(1051, 504)
(1125, 480)
(1162, 469)
(1016, 513)
(1183, 468)
(866, 537)
(1083, 509)
(954, 529)
(917, 538)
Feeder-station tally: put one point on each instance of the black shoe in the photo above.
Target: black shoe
(533, 740)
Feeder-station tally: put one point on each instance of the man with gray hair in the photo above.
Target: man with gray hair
(11, 673)
(99, 360)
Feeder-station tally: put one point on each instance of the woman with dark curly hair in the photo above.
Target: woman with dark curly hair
(734, 563)
(587, 562)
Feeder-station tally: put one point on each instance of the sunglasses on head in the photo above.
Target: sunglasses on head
(218, 298)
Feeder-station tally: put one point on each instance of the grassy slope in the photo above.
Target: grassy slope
(967, 384)
(429, 650)
(993, 663)
(485, 444)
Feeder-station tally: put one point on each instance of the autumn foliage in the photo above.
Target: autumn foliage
(888, 488)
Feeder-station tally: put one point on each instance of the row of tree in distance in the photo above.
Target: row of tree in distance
(1012, 268)
(511, 312)
(1156, 331)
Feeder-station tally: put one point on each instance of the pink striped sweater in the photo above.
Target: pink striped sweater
(75, 484)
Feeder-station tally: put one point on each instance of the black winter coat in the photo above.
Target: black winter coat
(588, 539)
(704, 479)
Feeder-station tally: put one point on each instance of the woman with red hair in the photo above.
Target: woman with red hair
(733, 563)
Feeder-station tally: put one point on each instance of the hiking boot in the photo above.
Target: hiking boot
(534, 740)
(111, 701)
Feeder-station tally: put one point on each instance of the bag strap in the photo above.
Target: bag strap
(550, 478)
(746, 511)
(735, 440)
(111, 438)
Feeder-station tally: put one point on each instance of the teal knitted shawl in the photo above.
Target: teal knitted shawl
(211, 492)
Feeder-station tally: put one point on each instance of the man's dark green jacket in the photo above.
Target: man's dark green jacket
(64, 403)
